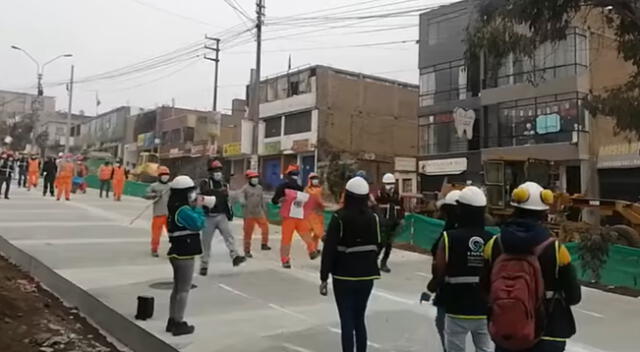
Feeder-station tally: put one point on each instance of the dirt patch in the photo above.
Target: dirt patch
(32, 319)
(410, 248)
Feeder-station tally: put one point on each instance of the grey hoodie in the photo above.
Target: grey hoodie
(159, 192)
(252, 197)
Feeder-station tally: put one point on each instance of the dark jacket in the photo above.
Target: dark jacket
(22, 165)
(287, 184)
(6, 168)
(350, 248)
(390, 210)
(49, 169)
(211, 187)
(521, 236)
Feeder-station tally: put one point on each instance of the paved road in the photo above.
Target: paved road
(259, 306)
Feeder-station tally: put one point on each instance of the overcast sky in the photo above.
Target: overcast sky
(108, 34)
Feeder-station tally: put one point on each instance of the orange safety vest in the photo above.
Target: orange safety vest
(118, 174)
(66, 169)
(105, 172)
(34, 165)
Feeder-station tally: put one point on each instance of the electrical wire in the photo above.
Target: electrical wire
(175, 14)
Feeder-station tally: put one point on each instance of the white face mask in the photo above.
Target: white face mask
(389, 187)
(192, 196)
(315, 182)
(164, 178)
(118, 165)
(253, 181)
(217, 176)
(294, 177)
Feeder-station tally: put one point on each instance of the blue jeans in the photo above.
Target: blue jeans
(542, 346)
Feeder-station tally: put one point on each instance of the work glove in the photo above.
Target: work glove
(230, 214)
(324, 290)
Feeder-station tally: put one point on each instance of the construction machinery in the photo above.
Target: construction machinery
(146, 169)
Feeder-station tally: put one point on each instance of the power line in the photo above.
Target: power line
(172, 13)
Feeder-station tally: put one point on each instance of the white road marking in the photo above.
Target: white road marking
(422, 274)
(393, 298)
(32, 211)
(57, 223)
(295, 348)
(80, 241)
(284, 310)
(590, 313)
(234, 291)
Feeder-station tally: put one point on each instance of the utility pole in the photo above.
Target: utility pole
(70, 89)
(215, 59)
(255, 96)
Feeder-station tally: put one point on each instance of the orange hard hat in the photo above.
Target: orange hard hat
(251, 174)
(292, 168)
(163, 170)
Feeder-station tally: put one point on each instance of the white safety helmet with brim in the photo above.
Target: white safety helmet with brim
(531, 196)
(388, 178)
(358, 186)
(452, 197)
(472, 196)
(182, 182)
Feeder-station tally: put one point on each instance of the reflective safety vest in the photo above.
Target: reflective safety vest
(105, 172)
(34, 165)
(464, 253)
(118, 174)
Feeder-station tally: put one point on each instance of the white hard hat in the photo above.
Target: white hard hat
(532, 196)
(388, 178)
(209, 201)
(452, 197)
(358, 185)
(182, 182)
(473, 196)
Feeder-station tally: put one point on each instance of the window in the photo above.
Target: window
(286, 86)
(442, 83)
(188, 134)
(439, 136)
(272, 127)
(297, 123)
(550, 119)
(551, 61)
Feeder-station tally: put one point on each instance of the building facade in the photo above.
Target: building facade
(527, 121)
(107, 131)
(313, 114)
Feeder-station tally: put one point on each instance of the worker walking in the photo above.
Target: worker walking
(532, 283)
(252, 197)
(33, 172)
(294, 209)
(350, 255)
(49, 170)
(449, 209)
(316, 208)
(119, 176)
(185, 221)
(459, 265)
(65, 175)
(218, 217)
(7, 165)
(158, 192)
(22, 171)
(391, 213)
(104, 174)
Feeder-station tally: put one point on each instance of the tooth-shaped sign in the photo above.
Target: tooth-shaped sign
(463, 121)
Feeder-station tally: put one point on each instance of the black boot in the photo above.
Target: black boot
(182, 328)
(248, 255)
(286, 265)
(384, 268)
(239, 260)
(203, 271)
(170, 325)
(314, 255)
(265, 247)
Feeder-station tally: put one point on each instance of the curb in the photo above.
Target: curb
(128, 333)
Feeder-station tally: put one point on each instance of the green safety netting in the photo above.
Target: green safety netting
(621, 269)
(131, 188)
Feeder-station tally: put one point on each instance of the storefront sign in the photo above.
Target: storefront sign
(623, 155)
(463, 121)
(451, 166)
(197, 150)
(231, 149)
(301, 145)
(140, 140)
(175, 153)
(405, 164)
(272, 148)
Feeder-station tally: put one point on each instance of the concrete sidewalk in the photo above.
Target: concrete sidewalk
(258, 306)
